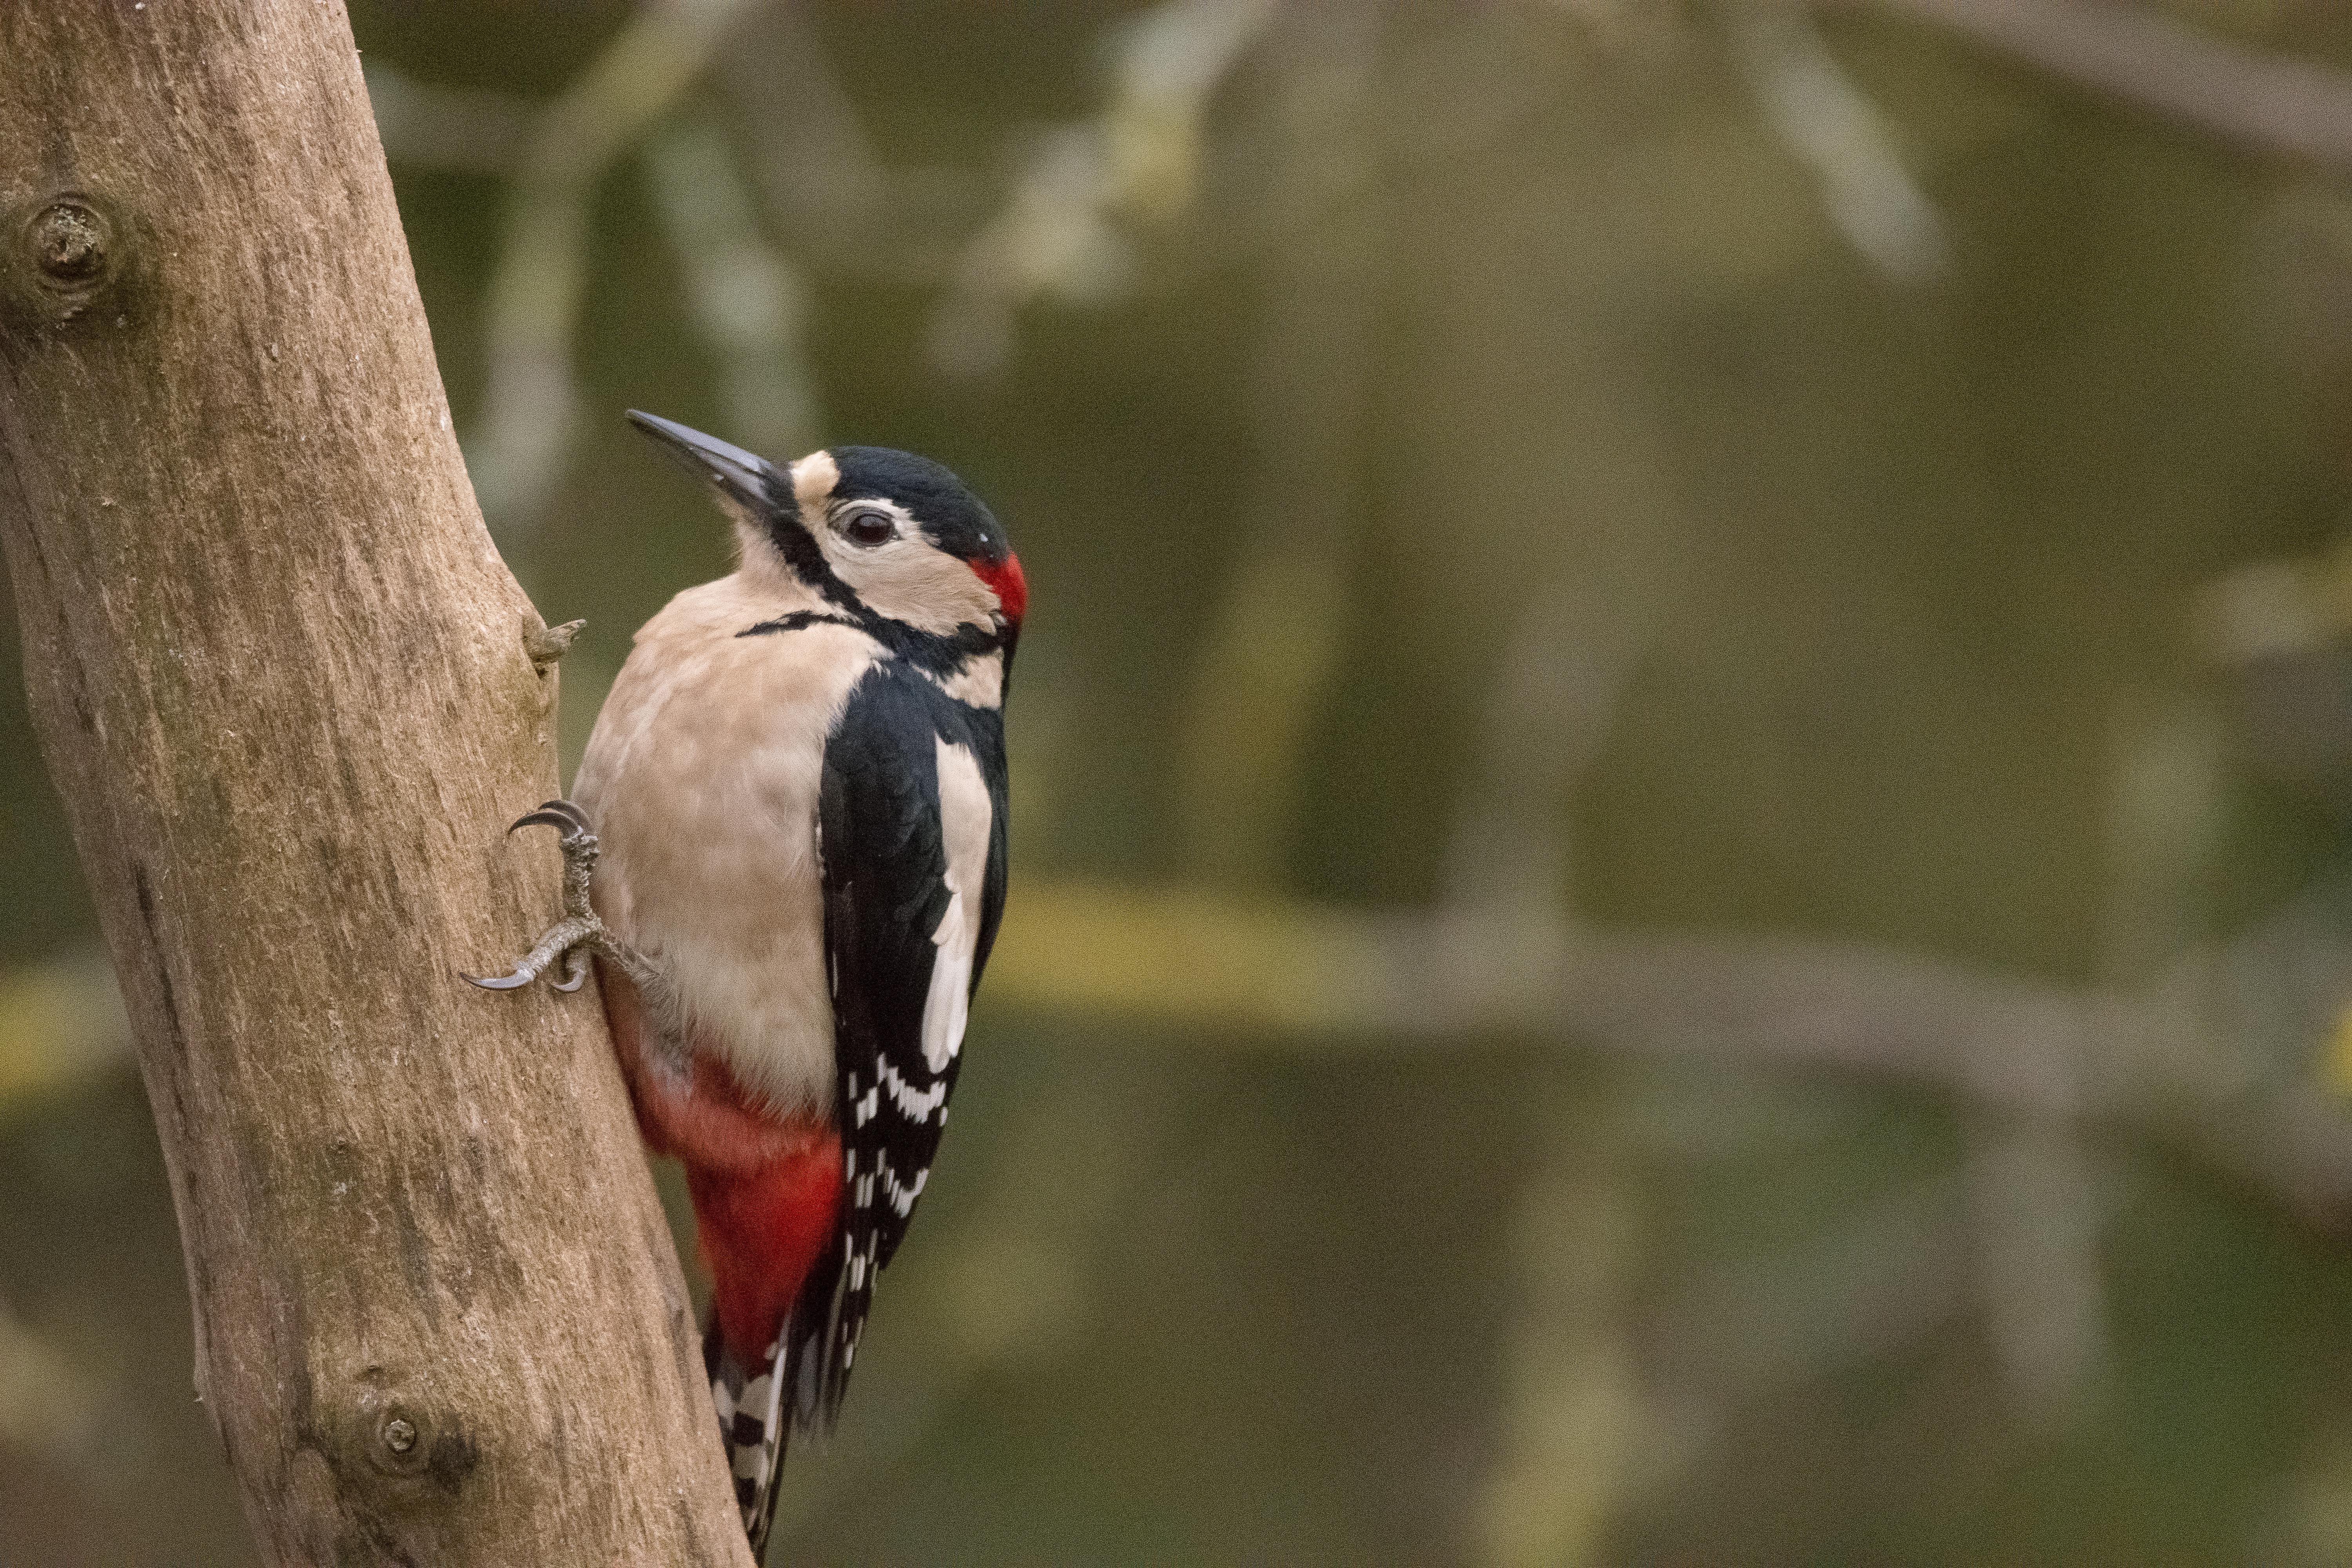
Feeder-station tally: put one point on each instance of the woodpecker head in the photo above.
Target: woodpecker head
(867, 528)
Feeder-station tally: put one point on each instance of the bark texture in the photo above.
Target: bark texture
(290, 694)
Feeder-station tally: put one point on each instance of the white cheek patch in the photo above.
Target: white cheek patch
(912, 581)
(908, 579)
(966, 818)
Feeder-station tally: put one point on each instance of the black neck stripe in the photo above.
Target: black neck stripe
(926, 650)
(798, 621)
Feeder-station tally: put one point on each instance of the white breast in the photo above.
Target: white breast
(701, 780)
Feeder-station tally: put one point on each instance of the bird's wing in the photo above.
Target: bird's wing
(911, 827)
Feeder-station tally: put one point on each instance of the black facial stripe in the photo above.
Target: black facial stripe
(808, 564)
(798, 546)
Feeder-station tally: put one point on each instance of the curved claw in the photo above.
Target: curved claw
(515, 982)
(561, 942)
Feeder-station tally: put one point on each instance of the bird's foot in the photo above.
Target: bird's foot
(579, 934)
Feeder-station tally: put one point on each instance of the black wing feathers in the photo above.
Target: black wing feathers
(885, 867)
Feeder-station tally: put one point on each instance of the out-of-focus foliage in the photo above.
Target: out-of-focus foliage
(1681, 763)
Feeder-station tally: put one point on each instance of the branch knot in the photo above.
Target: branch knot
(68, 239)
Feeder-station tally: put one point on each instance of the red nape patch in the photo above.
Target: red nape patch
(761, 1232)
(1012, 587)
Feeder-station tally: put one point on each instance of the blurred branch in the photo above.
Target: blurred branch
(1274, 645)
(2188, 1060)
(1580, 1431)
(814, 162)
(2277, 629)
(1578, 1428)
(1059, 234)
(2040, 1210)
(2147, 1062)
(816, 169)
(516, 456)
(2039, 1189)
(823, 183)
(1840, 136)
(2263, 102)
(1549, 713)
(744, 297)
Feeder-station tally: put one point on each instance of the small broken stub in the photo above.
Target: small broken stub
(546, 644)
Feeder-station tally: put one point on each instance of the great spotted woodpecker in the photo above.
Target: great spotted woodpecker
(786, 851)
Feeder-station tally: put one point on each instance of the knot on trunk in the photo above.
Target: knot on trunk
(63, 252)
(68, 239)
(410, 1436)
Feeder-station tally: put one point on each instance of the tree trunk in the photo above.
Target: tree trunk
(292, 698)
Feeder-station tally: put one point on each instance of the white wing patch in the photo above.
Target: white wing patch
(965, 818)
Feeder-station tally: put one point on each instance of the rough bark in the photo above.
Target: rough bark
(290, 694)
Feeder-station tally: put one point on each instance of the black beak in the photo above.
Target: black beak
(739, 475)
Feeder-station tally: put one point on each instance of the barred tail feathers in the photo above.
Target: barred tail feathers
(753, 1421)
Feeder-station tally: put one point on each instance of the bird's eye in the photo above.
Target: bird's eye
(869, 528)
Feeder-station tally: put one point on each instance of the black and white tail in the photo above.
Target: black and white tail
(753, 1421)
(798, 1383)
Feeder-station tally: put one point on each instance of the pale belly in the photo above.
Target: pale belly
(702, 780)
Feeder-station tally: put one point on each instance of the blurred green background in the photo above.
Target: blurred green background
(1681, 763)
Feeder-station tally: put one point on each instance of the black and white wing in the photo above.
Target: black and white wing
(912, 836)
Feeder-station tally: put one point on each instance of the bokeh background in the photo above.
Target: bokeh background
(1682, 889)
